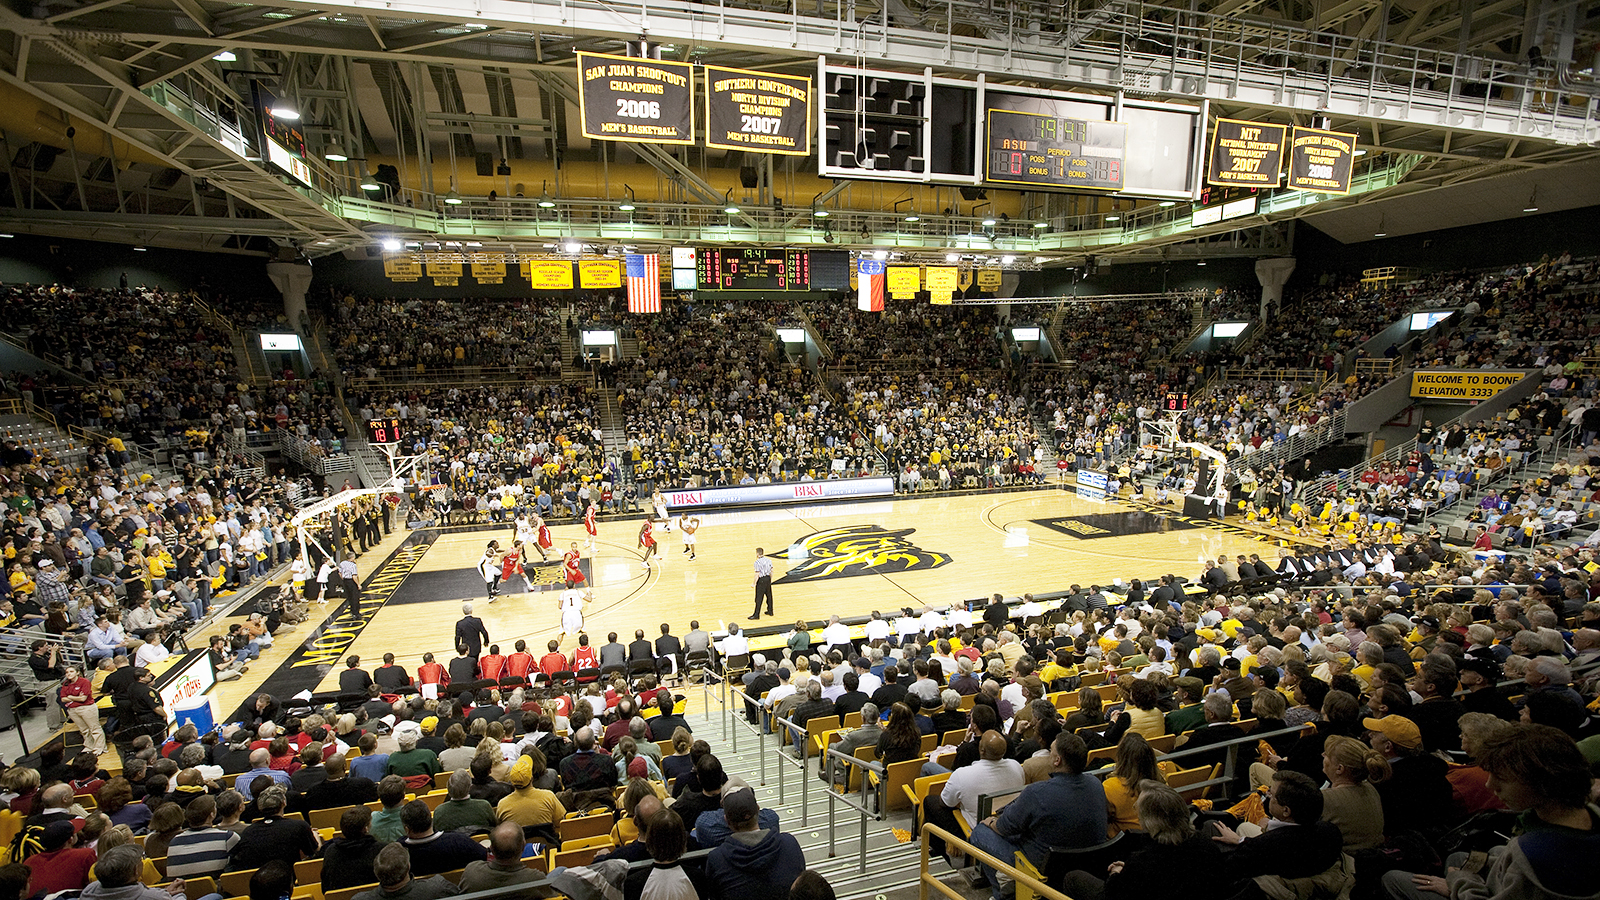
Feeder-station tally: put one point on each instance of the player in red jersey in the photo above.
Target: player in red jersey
(647, 540)
(511, 564)
(573, 572)
(520, 662)
(492, 665)
(589, 523)
(431, 672)
(546, 541)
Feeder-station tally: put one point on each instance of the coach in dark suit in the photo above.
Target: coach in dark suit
(668, 647)
(470, 632)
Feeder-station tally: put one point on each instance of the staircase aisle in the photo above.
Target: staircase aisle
(891, 867)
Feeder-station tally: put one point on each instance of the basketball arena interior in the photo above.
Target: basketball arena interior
(1151, 436)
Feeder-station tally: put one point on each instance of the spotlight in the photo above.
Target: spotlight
(392, 245)
(1007, 260)
(572, 247)
(952, 257)
(880, 255)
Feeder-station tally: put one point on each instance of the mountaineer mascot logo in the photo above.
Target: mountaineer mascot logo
(856, 550)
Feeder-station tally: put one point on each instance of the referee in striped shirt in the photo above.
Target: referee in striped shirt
(763, 583)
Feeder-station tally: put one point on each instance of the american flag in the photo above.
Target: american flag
(644, 282)
(870, 279)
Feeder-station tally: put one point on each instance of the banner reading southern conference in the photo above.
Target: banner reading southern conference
(1321, 160)
(758, 111)
(625, 99)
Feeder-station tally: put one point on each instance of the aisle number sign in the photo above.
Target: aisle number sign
(1472, 385)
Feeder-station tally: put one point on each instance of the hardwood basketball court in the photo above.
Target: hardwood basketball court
(858, 556)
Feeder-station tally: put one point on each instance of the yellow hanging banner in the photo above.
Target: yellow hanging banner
(965, 281)
(402, 268)
(942, 279)
(489, 268)
(549, 274)
(444, 274)
(904, 281)
(988, 279)
(939, 298)
(599, 273)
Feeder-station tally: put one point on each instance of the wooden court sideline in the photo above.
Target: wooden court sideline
(910, 552)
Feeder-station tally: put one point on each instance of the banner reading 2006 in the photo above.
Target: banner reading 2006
(626, 99)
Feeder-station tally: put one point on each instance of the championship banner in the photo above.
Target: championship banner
(444, 274)
(1321, 160)
(943, 279)
(1245, 154)
(489, 268)
(904, 282)
(965, 280)
(549, 274)
(402, 268)
(758, 111)
(1474, 385)
(941, 298)
(989, 280)
(626, 99)
(599, 273)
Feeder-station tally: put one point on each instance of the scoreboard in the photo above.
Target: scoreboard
(1054, 151)
(384, 431)
(753, 269)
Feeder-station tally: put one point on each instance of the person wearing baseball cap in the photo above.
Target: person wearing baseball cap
(754, 860)
(1418, 795)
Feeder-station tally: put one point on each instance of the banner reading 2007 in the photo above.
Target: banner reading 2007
(758, 111)
(626, 99)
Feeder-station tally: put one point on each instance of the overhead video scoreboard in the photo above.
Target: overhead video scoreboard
(775, 269)
(1054, 151)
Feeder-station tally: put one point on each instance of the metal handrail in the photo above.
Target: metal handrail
(926, 880)
(836, 797)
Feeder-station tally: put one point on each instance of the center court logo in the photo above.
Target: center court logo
(857, 550)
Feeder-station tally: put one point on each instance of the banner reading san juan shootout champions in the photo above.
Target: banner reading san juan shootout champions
(626, 99)
(758, 111)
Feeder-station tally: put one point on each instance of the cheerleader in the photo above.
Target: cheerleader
(572, 572)
(300, 573)
(511, 564)
(589, 524)
(660, 503)
(489, 568)
(647, 540)
(689, 525)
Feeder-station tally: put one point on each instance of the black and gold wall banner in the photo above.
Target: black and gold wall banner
(641, 100)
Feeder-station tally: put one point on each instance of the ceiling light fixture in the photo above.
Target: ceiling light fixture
(1382, 231)
(952, 257)
(334, 152)
(818, 212)
(545, 200)
(283, 109)
(1533, 202)
(880, 255)
(226, 56)
(392, 245)
(627, 204)
(1007, 260)
(1167, 203)
(728, 206)
(988, 221)
(572, 247)
(1042, 224)
(1201, 263)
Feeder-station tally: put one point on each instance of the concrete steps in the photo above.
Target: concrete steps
(887, 864)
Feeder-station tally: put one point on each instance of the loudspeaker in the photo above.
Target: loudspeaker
(972, 193)
(748, 177)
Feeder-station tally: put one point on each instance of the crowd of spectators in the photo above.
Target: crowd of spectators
(377, 337)
(926, 336)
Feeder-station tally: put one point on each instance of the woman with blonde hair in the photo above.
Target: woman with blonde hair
(680, 763)
(1135, 763)
(1350, 800)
